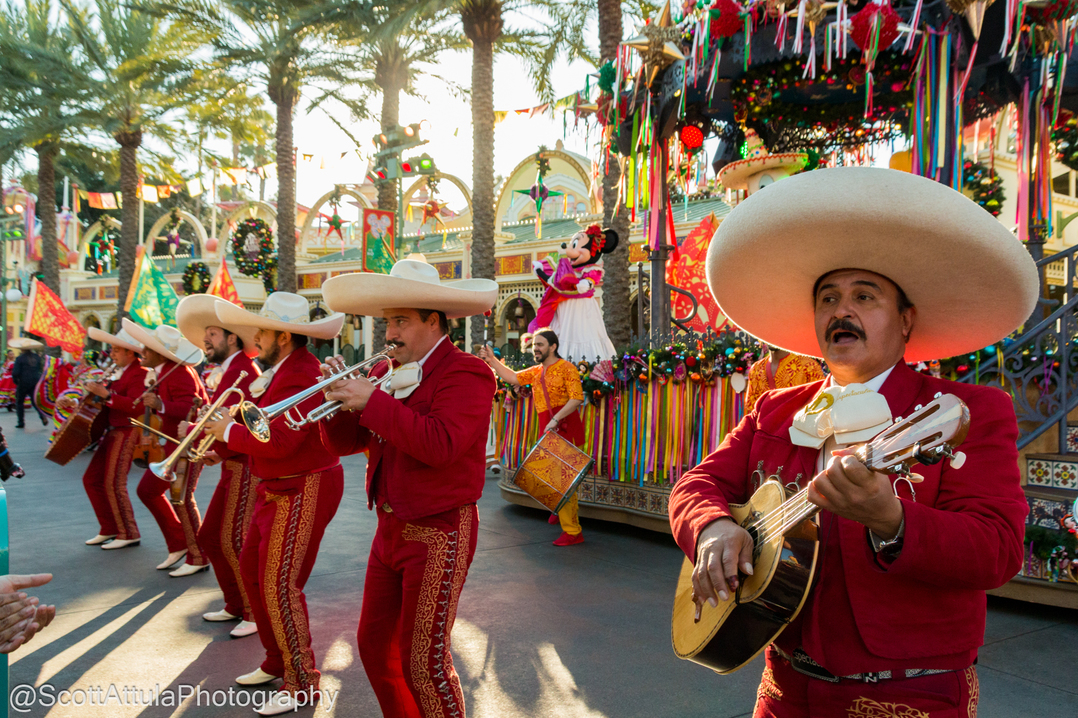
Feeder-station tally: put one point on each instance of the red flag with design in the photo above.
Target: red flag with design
(48, 318)
(222, 285)
(687, 271)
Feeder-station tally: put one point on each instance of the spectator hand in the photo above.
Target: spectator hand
(21, 616)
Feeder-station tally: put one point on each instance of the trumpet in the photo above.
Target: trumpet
(183, 450)
(258, 419)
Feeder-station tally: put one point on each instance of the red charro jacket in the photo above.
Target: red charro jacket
(429, 450)
(123, 404)
(178, 391)
(289, 452)
(240, 363)
(963, 534)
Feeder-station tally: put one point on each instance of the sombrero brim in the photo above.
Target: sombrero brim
(196, 312)
(25, 343)
(190, 354)
(101, 336)
(324, 328)
(736, 174)
(370, 294)
(971, 280)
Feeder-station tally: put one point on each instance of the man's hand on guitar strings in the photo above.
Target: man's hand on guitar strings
(722, 547)
(849, 489)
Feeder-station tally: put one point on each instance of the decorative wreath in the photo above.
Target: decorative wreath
(984, 186)
(196, 278)
(1065, 139)
(252, 247)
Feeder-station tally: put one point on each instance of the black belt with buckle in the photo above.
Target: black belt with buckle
(803, 664)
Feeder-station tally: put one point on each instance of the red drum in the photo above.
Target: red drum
(553, 470)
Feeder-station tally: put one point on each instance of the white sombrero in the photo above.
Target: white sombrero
(757, 159)
(410, 284)
(196, 312)
(972, 281)
(282, 312)
(120, 339)
(25, 343)
(166, 341)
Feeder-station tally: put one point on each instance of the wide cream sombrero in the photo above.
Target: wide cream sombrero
(120, 339)
(972, 281)
(757, 159)
(166, 341)
(282, 312)
(196, 312)
(25, 343)
(411, 284)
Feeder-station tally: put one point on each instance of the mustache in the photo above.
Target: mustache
(844, 325)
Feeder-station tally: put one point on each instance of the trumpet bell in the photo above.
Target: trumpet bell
(256, 421)
(161, 470)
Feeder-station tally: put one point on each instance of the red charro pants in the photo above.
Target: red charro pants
(414, 577)
(290, 518)
(223, 529)
(179, 524)
(785, 693)
(105, 482)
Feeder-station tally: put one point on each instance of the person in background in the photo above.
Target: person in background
(27, 372)
(7, 382)
(779, 369)
(557, 394)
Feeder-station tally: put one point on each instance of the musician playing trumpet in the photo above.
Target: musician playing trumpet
(105, 479)
(172, 396)
(425, 428)
(299, 487)
(897, 612)
(228, 517)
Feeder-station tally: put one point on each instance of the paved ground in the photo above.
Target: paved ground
(542, 631)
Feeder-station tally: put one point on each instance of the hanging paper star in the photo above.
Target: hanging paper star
(335, 224)
(432, 209)
(539, 194)
(657, 43)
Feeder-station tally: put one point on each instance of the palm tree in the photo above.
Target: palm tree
(41, 76)
(142, 70)
(286, 45)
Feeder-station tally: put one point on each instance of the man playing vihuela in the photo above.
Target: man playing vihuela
(896, 615)
(557, 394)
(780, 370)
(228, 517)
(299, 488)
(426, 430)
(105, 479)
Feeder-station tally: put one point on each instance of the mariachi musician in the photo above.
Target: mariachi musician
(105, 479)
(229, 514)
(426, 430)
(897, 610)
(300, 485)
(173, 394)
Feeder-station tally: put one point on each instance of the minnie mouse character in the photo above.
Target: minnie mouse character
(569, 306)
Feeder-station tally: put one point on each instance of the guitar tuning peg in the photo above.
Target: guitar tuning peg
(917, 408)
(937, 395)
(914, 478)
(957, 460)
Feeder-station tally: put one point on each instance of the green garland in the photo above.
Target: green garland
(1047, 540)
(759, 95)
(1065, 139)
(196, 278)
(261, 264)
(984, 185)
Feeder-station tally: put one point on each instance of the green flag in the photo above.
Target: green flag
(151, 301)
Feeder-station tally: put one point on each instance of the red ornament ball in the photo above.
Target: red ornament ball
(863, 26)
(726, 19)
(692, 137)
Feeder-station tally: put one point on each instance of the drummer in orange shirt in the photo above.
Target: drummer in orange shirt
(557, 393)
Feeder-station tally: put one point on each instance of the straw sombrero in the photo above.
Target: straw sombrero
(166, 341)
(972, 281)
(757, 159)
(282, 312)
(120, 339)
(25, 343)
(196, 312)
(410, 284)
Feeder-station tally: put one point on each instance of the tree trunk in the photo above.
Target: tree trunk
(285, 101)
(482, 169)
(616, 304)
(129, 233)
(387, 191)
(46, 212)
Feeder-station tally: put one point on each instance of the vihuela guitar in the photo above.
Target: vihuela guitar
(786, 545)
